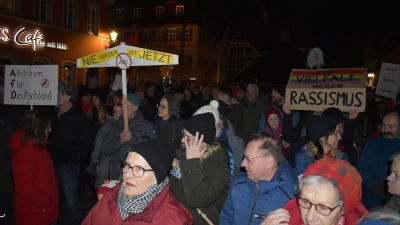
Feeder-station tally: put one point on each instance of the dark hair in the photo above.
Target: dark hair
(226, 90)
(269, 146)
(394, 111)
(320, 152)
(174, 107)
(68, 89)
(34, 125)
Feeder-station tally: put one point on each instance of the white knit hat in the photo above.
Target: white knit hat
(211, 108)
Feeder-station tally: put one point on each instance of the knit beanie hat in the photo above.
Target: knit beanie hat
(281, 89)
(343, 176)
(318, 126)
(97, 94)
(204, 124)
(133, 99)
(272, 110)
(83, 90)
(211, 108)
(157, 154)
(333, 112)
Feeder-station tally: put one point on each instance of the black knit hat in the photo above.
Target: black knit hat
(204, 124)
(84, 90)
(281, 89)
(333, 112)
(158, 155)
(318, 126)
(97, 94)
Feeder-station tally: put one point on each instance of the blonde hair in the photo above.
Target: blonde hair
(102, 112)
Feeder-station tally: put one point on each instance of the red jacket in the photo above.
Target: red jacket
(350, 219)
(36, 192)
(163, 209)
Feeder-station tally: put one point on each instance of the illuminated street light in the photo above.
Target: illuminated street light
(113, 36)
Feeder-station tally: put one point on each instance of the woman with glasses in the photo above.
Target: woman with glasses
(201, 172)
(143, 195)
(168, 122)
(329, 193)
(36, 190)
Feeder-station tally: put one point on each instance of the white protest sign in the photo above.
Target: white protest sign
(117, 82)
(389, 80)
(31, 85)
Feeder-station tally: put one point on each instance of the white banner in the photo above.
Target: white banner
(31, 85)
(389, 80)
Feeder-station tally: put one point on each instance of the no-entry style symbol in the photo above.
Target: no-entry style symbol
(45, 83)
(123, 61)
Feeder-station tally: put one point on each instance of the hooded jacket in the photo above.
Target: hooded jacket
(36, 192)
(163, 209)
(202, 185)
(247, 200)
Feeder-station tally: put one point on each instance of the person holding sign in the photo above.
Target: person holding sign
(324, 133)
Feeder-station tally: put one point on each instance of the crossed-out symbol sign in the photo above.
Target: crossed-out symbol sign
(45, 83)
(123, 61)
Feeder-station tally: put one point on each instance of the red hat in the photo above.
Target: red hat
(272, 110)
(343, 176)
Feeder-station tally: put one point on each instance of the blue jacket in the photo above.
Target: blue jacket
(262, 121)
(246, 200)
(374, 164)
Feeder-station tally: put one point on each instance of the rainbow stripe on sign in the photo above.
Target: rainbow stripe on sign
(329, 76)
(155, 56)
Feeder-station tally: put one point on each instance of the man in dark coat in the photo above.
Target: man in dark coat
(187, 109)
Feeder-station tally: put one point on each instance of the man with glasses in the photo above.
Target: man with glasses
(267, 184)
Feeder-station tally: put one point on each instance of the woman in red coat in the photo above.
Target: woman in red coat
(143, 196)
(36, 192)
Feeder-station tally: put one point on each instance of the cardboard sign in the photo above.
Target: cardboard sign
(389, 80)
(316, 90)
(31, 85)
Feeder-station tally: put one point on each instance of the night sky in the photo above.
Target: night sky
(340, 28)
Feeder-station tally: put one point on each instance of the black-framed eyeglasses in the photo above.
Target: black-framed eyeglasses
(137, 171)
(161, 106)
(321, 209)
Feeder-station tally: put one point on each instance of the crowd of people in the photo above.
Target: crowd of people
(192, 154)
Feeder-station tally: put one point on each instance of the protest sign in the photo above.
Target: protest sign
(31, 85)
(316, 90)
(389, 80)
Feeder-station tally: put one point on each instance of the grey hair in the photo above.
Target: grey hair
(384, 214)
(70, 90)
(269, 146)
(318, 182)
(252, 86)
(395, 157)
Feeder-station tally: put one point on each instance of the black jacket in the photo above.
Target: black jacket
(171, 134)
(71, 140)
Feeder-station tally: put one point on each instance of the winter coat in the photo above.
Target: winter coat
(238, 146)
(6, 186)
(187, 109)
(302, 161)
(71, 140)
(36, 192)
(163, 209)
(251, 115)
(103, 161)
(141, 130)
(201, 185)
(350, 218)
(374, 168)
(246, 199)
(148, 110)
(262, 121)
(171, 134)
(235, 116)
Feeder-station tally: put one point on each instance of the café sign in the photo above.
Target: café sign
(24, 37)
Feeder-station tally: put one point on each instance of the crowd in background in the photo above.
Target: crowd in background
(198, 154)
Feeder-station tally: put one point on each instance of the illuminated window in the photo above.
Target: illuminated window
(180, 10)
(186, 35)
(7, 5)
(69, 72)
(69, 13)
(137, 13)
(160, 35)
(146, 35)
(159, 12)
(120, 14)
(92, 20)
(172, 35)
(41, 9)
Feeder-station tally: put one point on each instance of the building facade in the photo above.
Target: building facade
(55, 32)
(184, 28)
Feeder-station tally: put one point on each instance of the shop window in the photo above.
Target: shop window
(69, 72)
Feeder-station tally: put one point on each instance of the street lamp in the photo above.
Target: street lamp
(113, 36)
(370, 78)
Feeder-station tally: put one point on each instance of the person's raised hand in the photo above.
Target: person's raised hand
(193, 147)
(286, 108)
(125, 136)
(353, 113)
